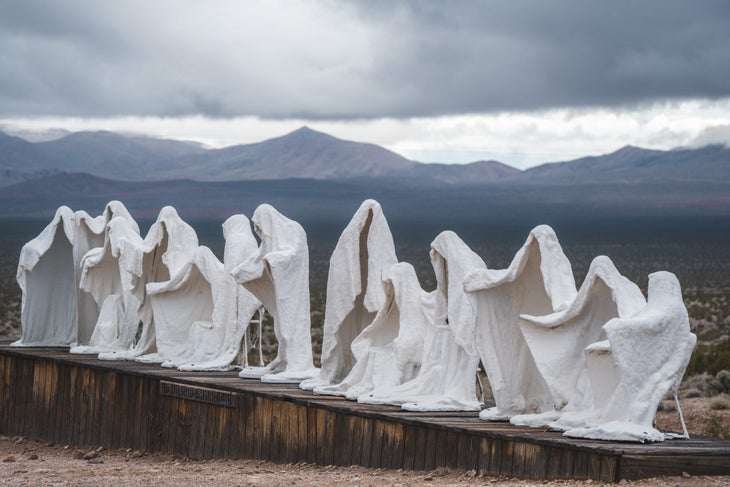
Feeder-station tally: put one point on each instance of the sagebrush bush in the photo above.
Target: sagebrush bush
(723, 381)
(720, 402)
(690, 393)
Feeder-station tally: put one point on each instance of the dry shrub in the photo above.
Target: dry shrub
(720, 402)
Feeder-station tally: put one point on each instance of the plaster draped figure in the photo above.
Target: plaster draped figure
(46, 278)
(390, 350)
(106, 276)
(355, 289)
(644, 357)
(221, 344)
(539, 281)
(168, 246)
(447, 378)
(69, 313)
(89, 234)
(278, 276)
(557, 341)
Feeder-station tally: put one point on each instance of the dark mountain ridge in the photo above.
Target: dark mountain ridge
(308, 154)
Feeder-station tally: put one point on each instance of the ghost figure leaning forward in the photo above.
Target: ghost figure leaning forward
(539, 281)
(557, 341)
(390, 350)
(216, 344)
(168, 246)
(105, 276)
(278, 276)
(355, 289)
(447, 378)
(644, 357)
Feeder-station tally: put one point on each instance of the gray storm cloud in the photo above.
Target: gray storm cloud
(320, 60)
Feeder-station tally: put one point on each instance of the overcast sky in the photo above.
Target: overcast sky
(521, 82)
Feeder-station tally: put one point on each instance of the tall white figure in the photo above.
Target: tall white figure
(447, 378)
(107, 277)
(644, 357)
(46, 278)
(355, 289)
(278, 276)
(89, 234)
(539, 281)
(557, 341)
(389, 351)
(217, 344)
(43, 275)
(168, 246)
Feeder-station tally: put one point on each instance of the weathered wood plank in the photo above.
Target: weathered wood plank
(80, 400)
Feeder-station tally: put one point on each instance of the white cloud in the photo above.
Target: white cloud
(522, 139)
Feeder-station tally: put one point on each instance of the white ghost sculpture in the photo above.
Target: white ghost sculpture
(43, 275)
(644, 357)
(168, 246)
(447, 378)
(106, 278)
(389, 351)
(557, 341)
(278, 276)
(539, 281)
(89, 234)
(217, 344)
(47, 281)
(355, 290)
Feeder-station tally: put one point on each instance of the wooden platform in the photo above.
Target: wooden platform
(49, 394)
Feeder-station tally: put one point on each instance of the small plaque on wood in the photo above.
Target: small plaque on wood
(195, 393)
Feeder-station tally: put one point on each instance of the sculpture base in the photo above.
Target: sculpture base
(51, 395)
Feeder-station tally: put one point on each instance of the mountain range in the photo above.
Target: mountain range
(310, 169)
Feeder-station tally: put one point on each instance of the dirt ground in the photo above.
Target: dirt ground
(28, 462)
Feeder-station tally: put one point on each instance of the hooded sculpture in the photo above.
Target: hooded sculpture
(645, 356)
(169, 245)
(539, 281)
(447, 378)
(46, 278)
(89, 234)
(355, 290)
(389, 351)
(278, 276)
(105, 277)
(557, 341)
(216, 344)
(58, 313)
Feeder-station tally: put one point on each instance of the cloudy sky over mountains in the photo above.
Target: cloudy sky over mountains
(521, 82)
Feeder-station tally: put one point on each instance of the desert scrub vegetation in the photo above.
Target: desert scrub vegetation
(706, 385)
(721, 402)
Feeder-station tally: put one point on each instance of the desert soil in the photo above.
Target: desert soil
(28, 462)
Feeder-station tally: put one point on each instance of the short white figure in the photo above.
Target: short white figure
(557, 341)
(278, 275)
(46, 278)
(220, 343)
(539, 281)
(355, 289)
(643, 358)
(447, 378)
(389, 351)
(106, 277)
(168, 246)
